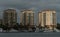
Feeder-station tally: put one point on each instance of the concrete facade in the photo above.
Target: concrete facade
(47, 19)
(10, 17)
(27, 17)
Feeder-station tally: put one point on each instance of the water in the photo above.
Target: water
(40, 34)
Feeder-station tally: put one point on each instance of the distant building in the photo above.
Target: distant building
(27, 17)
(47, 19)
(10, 17)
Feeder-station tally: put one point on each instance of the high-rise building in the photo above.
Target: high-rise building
(10, 17)
(47, 19)
(27, 17)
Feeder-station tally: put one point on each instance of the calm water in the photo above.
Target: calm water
(41, 34)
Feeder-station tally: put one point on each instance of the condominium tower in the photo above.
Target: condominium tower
(27, 17)
(10, 17)
(47, 19)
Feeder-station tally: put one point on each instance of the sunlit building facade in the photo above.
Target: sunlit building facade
(47, 19)
(27, 17)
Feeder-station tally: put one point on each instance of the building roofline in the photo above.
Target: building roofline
(46, 10)
(10, 9)
(26, 10)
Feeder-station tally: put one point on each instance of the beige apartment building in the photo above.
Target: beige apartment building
(10, 17)
(47, 19)
(27, 17)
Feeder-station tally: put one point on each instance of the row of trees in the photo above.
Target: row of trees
(16, 27)
(58, 26)
(7, 27)
(22, 27)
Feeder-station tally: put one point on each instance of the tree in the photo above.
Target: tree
(58, 26)
(33, 28)
(21, 26)
(0, 25)
(6, 27)
(16, 27)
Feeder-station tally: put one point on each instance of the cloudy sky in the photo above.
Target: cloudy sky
(36, 5)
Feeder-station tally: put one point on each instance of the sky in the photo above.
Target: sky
(36, 5)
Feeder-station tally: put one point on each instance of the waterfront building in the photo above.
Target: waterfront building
(10, 17)
(47, 19)
(27, 18)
